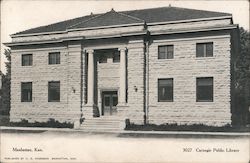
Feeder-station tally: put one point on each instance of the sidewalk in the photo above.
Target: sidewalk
(127, 132)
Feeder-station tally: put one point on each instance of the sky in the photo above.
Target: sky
(18, 15)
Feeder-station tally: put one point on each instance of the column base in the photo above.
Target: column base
(89, 111)
(122, 109)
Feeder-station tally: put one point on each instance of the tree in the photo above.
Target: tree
(5, 91)
(242, 77)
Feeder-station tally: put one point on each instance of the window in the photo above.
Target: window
(103, 58)
(116, 57)
(165, 90)
(54, 91)
(27, 60)
(204, 49)
(26, 92)
(54, 58)
(204, 89)
(166, 52)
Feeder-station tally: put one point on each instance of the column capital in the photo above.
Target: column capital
(122, 49)
(90, 51)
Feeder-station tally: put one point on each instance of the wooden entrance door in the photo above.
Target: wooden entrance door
(109, 103)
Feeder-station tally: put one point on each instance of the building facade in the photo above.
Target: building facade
(159, 66)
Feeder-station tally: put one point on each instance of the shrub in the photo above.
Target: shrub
(50, 123)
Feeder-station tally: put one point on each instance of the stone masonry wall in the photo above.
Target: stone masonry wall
(40, 73)
(135, 79)
(184, 69)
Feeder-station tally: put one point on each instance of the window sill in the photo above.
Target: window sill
(55, 64)
(203, 58)
(164, 59)
(167, 101)
(205, 101)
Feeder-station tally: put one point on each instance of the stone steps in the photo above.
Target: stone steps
(102, 124)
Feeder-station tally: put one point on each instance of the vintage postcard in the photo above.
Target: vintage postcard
(125, 81)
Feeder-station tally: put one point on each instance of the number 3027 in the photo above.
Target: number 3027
(187, 149)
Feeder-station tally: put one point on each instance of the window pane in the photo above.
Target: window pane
(116, 57)
(165, 90)
(162, 49)
(162, 55)
(26, 92)
(115, 100)
(204, 90)
(209, 49)
(53, 91)
(170, 51)
(162, 52)
(199, 50)
(107, 100)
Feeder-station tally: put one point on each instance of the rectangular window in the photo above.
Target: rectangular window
(166, 52)
(165, 90)
(54, 91)
(103, 58)
(54, 58)
(204, 49)
(26, 92)
(116, 57)
(204, 89)
(27, 60)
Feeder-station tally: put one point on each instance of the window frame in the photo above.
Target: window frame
(30, 63)
(207, 100)
(22, 93)
(166, 50)
(57, 59)
(205, 47)
(49, 96)
(158, 89)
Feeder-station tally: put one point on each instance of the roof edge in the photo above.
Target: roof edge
(103, 27)
(190, 20)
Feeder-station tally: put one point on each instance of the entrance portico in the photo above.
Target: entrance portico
(95, 98)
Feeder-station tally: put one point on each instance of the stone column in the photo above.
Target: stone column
(88, 110)
(122, 95)
(90, 77)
